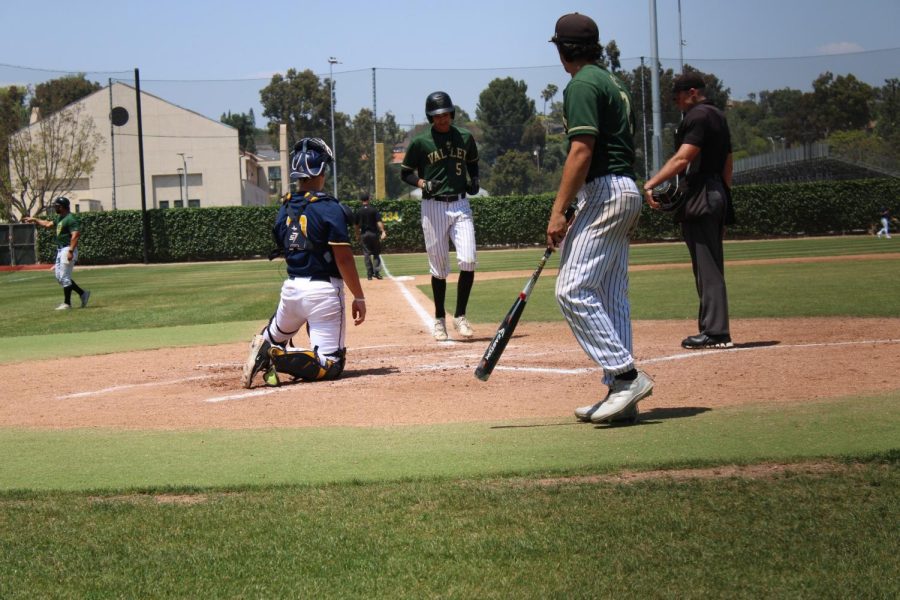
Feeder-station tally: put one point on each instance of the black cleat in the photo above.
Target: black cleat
(703, 341)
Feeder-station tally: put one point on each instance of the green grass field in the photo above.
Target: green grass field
(461, 510)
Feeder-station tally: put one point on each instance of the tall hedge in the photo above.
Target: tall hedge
(198, 234)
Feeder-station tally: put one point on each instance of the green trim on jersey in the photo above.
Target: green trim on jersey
(597, 103)
(65, 227)
(442, 157)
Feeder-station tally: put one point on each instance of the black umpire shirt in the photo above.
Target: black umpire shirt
(367, 218)
(704, 126)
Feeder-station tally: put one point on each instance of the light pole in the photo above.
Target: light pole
(184, 163)
(180, 186)
(331, 62)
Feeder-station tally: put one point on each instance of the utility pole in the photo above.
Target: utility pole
(331, 62)
(654, 90)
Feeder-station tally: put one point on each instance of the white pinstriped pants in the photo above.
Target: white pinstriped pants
(592, 285)
(445, 221)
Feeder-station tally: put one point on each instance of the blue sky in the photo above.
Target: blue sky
(417, 46)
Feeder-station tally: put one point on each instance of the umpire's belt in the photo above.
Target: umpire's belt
(449, 198)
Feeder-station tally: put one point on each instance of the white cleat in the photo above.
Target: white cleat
(440, 330)
(623, 396)
(461, 323)
(63, 306)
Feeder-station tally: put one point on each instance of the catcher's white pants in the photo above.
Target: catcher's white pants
(885, 228)
(445, 221)
(320, 304)
(592, 285)
(63, 267)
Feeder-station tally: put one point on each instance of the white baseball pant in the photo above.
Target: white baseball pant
(592, 285)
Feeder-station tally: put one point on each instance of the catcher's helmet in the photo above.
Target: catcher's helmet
(438, 103)
(309, 158)
(62, 201)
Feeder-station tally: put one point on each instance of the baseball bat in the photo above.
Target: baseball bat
(508, 324)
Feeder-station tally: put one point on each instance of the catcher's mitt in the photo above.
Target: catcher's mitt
(669, 195)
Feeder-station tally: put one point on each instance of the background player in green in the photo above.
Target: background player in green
(68, 232)
(437, 162)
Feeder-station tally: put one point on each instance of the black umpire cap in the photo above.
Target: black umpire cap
(576, 29)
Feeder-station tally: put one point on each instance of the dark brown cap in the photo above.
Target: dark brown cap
(687, 81)
(575, 29)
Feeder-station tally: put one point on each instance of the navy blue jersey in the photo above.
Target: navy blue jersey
(322, 223)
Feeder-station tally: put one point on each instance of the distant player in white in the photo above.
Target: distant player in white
(438, 161)
(592, 285)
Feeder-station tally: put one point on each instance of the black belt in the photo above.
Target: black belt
(449, 197)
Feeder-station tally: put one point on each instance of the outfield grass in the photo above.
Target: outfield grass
(791, 535)
(455, 510)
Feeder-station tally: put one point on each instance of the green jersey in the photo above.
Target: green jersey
(65, 227)
(442, 157)
(596, 103)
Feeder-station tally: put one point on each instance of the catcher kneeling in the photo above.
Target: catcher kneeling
(311, 232)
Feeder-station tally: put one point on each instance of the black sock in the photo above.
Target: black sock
(77, 289)
(439, 289)
(628, 375)
(67, 294)
(463, 289)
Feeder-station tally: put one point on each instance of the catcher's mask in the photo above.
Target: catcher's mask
(310, 158)
(438, 103)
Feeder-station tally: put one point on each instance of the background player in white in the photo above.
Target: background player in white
(592, 285)
(438, 161)
(311, 229)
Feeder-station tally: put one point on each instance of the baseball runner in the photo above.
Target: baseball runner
(311, 231)
(370, 231)
(592, 284)
(437, 162)
(68, 233)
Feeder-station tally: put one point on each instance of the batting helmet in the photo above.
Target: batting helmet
(62, 201)
(309, 158)
(438, 103)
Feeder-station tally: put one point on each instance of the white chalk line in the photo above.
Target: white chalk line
(118, 388)
(424, 316)
(456, 366)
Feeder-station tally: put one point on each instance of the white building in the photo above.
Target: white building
(175, 141)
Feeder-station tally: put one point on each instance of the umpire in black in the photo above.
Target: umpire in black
(370, 231)
(703, 158)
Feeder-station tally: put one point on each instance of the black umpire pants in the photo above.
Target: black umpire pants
(703, 237)
(371, 245)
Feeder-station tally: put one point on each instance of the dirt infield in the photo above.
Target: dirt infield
(397, 375)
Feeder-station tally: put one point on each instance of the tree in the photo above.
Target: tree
(548, 94)
(246, 126)
(503, 110)
(841, 103)
(302, 102)
(47, 159)
(514, 173)
(887, 110)
(12, 118)
(54, 95)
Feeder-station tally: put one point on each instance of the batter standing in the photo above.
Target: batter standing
(592, 285)
(68, 232)
(437, 162)
(311, 231)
